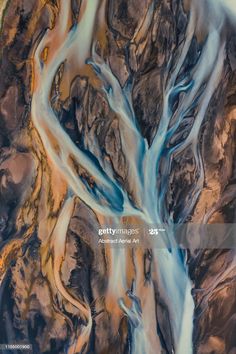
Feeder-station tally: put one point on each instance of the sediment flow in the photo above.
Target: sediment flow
(115, 115)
